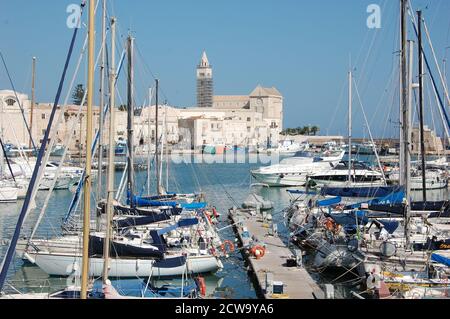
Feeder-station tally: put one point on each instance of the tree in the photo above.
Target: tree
(315, 130)
(78, 94)
(123, 107)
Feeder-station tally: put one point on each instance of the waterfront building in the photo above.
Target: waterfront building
(253, 120)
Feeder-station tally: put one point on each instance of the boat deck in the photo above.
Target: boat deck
(297, 283)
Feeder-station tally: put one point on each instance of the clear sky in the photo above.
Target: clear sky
(302, 47)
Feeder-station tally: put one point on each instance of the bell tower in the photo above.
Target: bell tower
(204, 83)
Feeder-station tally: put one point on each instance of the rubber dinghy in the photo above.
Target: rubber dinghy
(253, 201)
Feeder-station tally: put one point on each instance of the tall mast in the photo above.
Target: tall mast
(421, 75)
(102, 104)
(405, 86)
(110, 178)
(33, 99)
(158, 182)
(88, 178)
(350, 127)
(130, 109)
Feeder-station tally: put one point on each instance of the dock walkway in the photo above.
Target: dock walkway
(297, 283)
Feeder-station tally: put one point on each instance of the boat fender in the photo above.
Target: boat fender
(373, 282)
(215, 213)
(201, 285)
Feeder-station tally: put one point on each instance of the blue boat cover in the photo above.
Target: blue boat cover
(329, 201)
(143, 201)
(440, 259)
(390, 226)
(393, 198)
(349, 219)
(379, 191)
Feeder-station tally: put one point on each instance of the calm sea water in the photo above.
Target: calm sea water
(225, 185)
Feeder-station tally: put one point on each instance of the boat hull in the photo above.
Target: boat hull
(8, 194)
(280, 180)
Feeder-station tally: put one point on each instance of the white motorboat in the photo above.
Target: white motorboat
(361, 176)
(287, 147)
(294, 171)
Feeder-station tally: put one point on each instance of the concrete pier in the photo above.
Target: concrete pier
(272, 267)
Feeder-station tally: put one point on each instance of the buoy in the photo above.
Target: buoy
(225, 244)
(258, 251)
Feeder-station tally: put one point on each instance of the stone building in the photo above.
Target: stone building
(433, 144)
(254, 120)
(205, 89)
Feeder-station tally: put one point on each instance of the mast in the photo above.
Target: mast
(405, 86)
(350, 127)
(167, 147)
(149, 162)
(88, 178)
(130, 109)
(110, 177)
(33, 87)
(102, 103)
(421, 75)
(163, 136)
(158, 182)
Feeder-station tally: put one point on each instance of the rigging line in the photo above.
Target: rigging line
(369, 131)
(31, 188)
(18, 101)
(441, 104)
(76, 198)
(413, 20)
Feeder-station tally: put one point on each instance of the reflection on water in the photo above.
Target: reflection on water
(225, 185)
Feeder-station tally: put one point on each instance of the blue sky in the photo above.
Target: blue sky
(301, 47)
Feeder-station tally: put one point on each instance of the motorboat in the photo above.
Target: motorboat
(295, 171)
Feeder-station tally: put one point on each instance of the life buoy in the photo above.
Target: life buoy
(201, 285)
(329, 224)
(258, 251)
(225, 244)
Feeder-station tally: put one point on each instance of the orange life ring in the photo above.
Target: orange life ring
(202, 285)
(258, 251)
(328, 223)
(225, 244)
